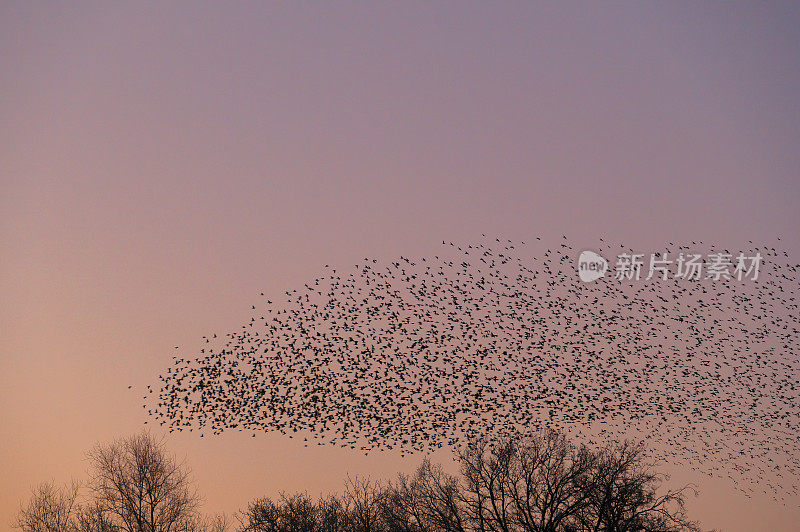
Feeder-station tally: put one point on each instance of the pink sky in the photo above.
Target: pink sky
(163, 163)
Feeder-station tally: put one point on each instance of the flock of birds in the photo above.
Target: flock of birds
(486, 338)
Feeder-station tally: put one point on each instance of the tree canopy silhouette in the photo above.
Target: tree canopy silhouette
(540, 482)
(536, 483)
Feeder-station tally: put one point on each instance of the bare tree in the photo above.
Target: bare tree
(216, 523)
(50, 509)
(138, 487)
(486, 470)
(292, 513)
(299, 513)
(542, 483)
(546, 478)
(363, 502)
(261, 515)
(428, 500)
(534, 483)
(332, 515)
(91, 517)
(623, 495)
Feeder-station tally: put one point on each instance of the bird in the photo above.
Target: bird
(493, 336)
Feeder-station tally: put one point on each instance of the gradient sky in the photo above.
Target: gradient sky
(163, 163)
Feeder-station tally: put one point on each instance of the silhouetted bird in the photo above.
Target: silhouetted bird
(419, 354)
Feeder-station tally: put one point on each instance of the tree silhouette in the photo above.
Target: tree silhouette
(50, 509)
(539, 482)
(137, 486)
(134, 486)
(535, 483)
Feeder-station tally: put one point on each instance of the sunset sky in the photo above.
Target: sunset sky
(162, 163)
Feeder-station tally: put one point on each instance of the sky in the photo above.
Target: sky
(161, 164)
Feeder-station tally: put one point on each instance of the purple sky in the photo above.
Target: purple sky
(162, 163)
